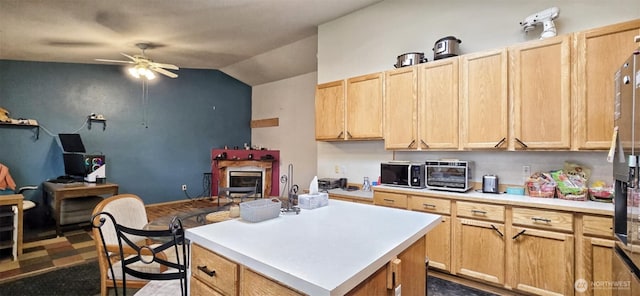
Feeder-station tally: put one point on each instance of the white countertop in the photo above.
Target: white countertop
(511, 199)
(325, 251)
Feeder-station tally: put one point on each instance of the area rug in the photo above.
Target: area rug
(80, 280)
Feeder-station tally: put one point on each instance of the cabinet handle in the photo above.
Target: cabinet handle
(522, 143)
(479, 212)
(429, 205)
(424, 144)
(499, 143)
(204, 269)
(388, 200)
(340, 135)
(538, 219)
(349, 136)
(497, 230)
(519, 234)
(411, 144)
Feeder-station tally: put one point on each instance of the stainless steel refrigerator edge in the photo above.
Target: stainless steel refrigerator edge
(625, 169)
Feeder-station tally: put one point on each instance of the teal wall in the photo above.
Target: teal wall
(151, 160)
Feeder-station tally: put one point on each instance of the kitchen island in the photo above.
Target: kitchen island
(335, 250)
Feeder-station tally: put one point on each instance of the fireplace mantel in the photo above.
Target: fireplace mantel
(242, 158)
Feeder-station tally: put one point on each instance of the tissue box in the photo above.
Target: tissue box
(312, 201)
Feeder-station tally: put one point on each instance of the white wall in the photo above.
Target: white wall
(292, 101)
(369, 41)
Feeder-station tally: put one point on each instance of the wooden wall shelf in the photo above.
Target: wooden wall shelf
(36, 127)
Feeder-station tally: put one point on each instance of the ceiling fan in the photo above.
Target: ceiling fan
(142, 66)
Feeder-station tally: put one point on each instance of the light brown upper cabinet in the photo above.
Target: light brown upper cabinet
(421, 106)
(598, 53)
(539, 80)
(350, 109)
(438, 104)
(484, 100)
(364, 107)
(330, 113)
(401, 109)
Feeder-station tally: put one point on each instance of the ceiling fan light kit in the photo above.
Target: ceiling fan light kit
(141, 71)
(142, 66)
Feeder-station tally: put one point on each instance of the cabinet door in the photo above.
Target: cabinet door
(539, 76)
(438, 104)
(597, 257)
(364, 107)
(439, 245)
(400, 109)
(484, 100)
(622, 274)
(479, 250)
(330, 114)
(542, 261)
(598, 53)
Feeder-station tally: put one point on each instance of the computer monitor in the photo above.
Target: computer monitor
(74, 165)
(71, 143)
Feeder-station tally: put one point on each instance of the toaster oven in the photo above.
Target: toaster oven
(449, 175)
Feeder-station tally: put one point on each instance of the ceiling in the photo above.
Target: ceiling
(255, 41)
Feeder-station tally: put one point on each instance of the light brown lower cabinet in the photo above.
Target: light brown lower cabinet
(597, 256)
(254, 284)
(480, 250)
(439, 245)
(628, 283)
(438, 239)
(543, 261)
(212, 274)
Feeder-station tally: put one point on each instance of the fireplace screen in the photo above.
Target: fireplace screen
(246, 179)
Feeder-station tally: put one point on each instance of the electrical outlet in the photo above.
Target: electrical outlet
(526, 172)
(184, 187)
(336, 169)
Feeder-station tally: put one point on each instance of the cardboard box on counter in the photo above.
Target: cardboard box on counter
(312, 201)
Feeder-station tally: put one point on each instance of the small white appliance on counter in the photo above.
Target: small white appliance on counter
(449, 175)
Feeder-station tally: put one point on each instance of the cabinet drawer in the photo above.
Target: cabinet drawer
(543, 218)
(597, 225)
(430, 204)
(214, 270)
(199, 288)
(390, 200)
(480, 211)
(252, 283)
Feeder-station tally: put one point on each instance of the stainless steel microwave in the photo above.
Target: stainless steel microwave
(449, 175)
(403, 174)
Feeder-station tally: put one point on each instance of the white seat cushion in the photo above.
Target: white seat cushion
(155, 288)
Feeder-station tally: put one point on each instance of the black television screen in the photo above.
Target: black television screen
(74, 165)
(71, 143)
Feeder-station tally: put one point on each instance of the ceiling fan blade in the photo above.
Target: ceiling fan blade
(166, 66)
(164, 72)
(126, 55)
(114, 61)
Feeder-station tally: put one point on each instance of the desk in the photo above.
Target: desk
(15, 199)
(60, 192)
